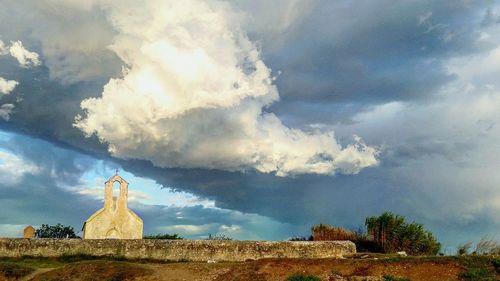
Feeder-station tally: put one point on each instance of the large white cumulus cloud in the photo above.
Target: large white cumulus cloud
(193, 94)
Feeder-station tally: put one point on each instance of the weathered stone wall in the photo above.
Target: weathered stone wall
(176, 250)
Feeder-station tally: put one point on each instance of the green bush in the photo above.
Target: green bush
(476, 275)
(392, 234)
(496, 264)
(302, 277)
(392, 278)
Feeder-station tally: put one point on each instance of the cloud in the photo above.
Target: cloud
(24, 57)
(197, 222)
(7, 86)
(3, 49)
(334, 65)
(203, 230)
(73, 38)
(193, 95)
(446, 159)
(6, 111)
(189, 229)
(271, 21)
(438, 164)
(13, 168)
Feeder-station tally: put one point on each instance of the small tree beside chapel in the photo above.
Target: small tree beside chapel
(55, 231)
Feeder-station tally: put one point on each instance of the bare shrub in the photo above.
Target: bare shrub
(487, 246)
(218, 237)
(464, 249)
(326, 232)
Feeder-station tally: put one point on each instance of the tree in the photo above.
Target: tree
(55, 231)
(392, 234)
(381, 228)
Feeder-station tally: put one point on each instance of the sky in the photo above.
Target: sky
(252, 119)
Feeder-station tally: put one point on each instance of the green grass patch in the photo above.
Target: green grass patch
(14, 271)
(95, 270)
(480, 268)
(394, 259)
(69, 258)
(302, 277)
(479, 274)
(473, 262)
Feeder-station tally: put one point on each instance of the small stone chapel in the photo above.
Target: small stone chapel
(115, 220)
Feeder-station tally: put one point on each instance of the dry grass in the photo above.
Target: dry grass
(325, 232)
(487, 246)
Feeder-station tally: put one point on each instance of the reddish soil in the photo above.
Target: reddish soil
(415, 269)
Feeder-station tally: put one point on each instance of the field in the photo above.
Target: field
(359, 267)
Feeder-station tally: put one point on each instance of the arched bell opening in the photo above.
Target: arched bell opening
(112, 234)
(116, 190)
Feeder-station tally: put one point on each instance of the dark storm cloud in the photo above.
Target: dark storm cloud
(370, 53)
(45, 108)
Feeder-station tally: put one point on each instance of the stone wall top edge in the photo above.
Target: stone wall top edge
(175, 241)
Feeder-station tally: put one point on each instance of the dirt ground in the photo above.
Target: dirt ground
(414, 269)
